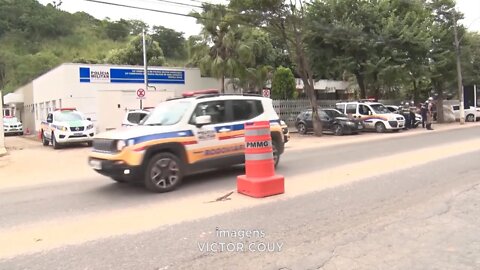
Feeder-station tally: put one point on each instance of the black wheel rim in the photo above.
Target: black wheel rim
(301, 128)
(164, 173)
(338, 130)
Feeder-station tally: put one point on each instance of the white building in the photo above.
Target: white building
(102, 92)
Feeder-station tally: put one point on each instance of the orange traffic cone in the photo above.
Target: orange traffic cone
(259, 179)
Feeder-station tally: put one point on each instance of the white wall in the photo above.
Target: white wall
(61, 87)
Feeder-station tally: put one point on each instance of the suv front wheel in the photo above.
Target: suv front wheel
(276, 154)
(164, 173)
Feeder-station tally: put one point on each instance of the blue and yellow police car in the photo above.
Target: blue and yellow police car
(200, 131)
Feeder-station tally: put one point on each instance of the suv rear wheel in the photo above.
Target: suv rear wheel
(164, 173)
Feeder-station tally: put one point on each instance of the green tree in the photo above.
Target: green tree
(227, 55)
(118, 30)
(133, 53)
(172, 42)
(288, 21)
(283, 84)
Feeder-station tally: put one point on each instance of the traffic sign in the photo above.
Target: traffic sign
(266, 93)
(140, 93)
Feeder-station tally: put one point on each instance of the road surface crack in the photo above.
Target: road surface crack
(222, 198)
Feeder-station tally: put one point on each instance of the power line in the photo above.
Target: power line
(141, 8)
(178, 3)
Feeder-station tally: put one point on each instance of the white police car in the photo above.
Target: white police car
(66, 126)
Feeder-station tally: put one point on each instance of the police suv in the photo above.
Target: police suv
(66, 126)
(200, 131)
(374, 115)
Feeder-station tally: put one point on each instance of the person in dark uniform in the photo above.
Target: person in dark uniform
(423, 112)
(406, 114)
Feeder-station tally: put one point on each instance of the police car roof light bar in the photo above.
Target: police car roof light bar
(66, 109)
(199, 92)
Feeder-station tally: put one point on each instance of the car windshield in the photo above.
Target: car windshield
(167, 113)
(68, 116)
(379, 108)
(12, 120)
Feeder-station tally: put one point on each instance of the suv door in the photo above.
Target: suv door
(209, 143)
(364, 112)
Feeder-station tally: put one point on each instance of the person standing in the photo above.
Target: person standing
(429, 113)
(423, 113)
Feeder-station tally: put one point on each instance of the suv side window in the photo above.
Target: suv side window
(246, 109)
(351, 109)
(136, 117)
(340, 107)
(363, 109)
(216, 109)
(308, 115)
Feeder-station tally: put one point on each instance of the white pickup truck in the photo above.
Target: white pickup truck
(66, 126)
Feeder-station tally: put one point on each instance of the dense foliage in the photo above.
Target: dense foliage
(35, 38)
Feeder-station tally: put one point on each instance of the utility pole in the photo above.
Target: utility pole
(459, 71)
(145, 75)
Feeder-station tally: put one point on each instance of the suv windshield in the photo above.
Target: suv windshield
(167, 113)
(68, 116)
(379, 108)
(12, 120)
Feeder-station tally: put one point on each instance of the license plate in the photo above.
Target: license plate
(96, 164)
(78, 134)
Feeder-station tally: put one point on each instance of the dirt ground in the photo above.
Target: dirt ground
(28, 162)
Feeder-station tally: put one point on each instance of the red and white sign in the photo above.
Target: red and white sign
(140, 93)
(266, 93)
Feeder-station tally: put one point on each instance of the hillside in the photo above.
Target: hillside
(35, 38)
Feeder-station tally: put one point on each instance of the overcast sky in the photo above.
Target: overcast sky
(471, 9)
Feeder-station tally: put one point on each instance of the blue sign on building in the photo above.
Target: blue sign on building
(128, 75)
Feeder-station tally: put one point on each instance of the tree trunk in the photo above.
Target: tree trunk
(361, 84)
(308, 83)
(415, 91)
(222, 89)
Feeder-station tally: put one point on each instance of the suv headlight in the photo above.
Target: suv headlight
(62, 128)
(121, 144)
(90, 126)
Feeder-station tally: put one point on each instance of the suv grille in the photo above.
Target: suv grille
(393, 123)
(77, 128)
(104, 145)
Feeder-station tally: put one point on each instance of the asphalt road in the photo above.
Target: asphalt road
(426, 217)
(78, 196)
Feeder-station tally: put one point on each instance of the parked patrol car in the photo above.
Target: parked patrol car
(375, 116)
(11, 125)
(183, 136)
(66, 126)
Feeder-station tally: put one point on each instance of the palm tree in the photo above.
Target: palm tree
(227, 55)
